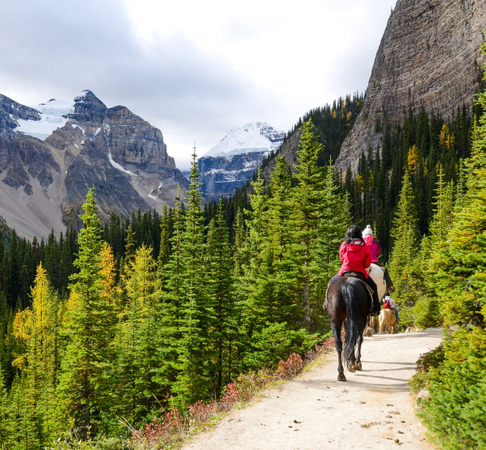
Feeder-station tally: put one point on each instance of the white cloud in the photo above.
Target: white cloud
(193, 69)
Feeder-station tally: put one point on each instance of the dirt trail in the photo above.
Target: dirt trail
(373, 409)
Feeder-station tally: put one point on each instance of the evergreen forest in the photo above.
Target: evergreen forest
(106, 328)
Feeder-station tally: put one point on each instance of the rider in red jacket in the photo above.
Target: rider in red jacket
(356, 257)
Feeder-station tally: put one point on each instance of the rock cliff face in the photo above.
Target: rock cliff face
(45, 173)
(10, 109)
(429, 56)
(234, 160)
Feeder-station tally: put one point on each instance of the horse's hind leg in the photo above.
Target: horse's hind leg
(358, 365)
(336, 331)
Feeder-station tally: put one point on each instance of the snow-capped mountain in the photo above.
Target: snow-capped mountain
(50, 155)
(232, 162)
(256, 137)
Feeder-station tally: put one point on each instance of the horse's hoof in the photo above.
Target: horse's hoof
(341, 377)
(359, 366)
(352, 368)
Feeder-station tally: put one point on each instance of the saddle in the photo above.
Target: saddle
(352, 273)
(360, 276)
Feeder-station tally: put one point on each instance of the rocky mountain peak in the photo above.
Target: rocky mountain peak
(429, 57)
(57, 151)
(88, 108)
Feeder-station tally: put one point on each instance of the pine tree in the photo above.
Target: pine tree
(37, 328)
(334, 222)
(136, 340)
(253, 280)
(308, 213)
(130, 245)
(173, 269)
(84, 390)
(164, 252)
(426, 309)
(406, 243)
(4, 410)
(221, 295)
(282, 270)
(460, 267)
(195, 355)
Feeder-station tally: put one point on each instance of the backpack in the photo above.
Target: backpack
(386, 304)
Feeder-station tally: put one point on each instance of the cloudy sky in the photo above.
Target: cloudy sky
(194, 69)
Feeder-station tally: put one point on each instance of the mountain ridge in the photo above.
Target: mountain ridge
(114, 150)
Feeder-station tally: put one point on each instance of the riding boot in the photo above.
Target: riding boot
(389, 283)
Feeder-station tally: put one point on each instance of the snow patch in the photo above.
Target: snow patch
(257, 137)
(53, 116)
(119, 167)
(77, 126)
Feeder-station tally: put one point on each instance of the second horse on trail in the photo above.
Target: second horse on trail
(388, 321)
(377, 274)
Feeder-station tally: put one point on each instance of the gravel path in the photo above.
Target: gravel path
(373, 409)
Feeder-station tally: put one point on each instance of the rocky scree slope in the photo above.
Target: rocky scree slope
(45, 173)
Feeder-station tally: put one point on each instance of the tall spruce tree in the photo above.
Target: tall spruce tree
(282, 267)
(308, 195)
(253, 282)
(222, 299)
(406, 243)
(164, 252)
(196, 357)
(426, 309)
(334, 222)
(84, 390)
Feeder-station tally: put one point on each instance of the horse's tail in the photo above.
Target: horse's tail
(351, 328)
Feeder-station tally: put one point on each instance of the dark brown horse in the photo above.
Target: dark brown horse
(348, 302)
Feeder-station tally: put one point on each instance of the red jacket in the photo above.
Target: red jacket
(374, 247)
(355, 256)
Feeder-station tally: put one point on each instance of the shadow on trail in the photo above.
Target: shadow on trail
(389, 362)
(359, 381)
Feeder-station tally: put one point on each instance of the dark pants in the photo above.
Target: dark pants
(376, 302)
